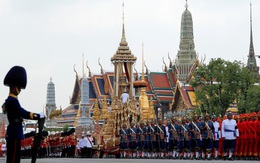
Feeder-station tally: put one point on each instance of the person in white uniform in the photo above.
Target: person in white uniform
(217, 135)
(89, 144)
(3, 148)
(229, 132)
(124, 97)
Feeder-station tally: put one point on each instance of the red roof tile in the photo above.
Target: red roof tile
(160, 80)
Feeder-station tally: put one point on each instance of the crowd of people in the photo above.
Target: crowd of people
(208, 137)
(59, 144)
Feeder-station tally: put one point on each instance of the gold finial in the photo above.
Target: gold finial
(75, 70)
(101, 68)
(170, 65)
(146, 68)
(142, 61)
(89, 72)
(165, 66)
(123, 39)
(186, 5)
(83, 72)
(137, 77)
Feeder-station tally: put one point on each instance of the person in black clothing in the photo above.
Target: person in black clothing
(16, 79)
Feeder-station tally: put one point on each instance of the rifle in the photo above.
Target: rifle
(209, 135)
(37, 139)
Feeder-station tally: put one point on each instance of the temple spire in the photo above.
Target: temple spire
(251, 62)
(186, 56)
(186, 5)
(251, 50)
(83, 68)
(123, 39)
(142, 61)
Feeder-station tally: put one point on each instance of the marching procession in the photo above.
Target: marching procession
(233, 137)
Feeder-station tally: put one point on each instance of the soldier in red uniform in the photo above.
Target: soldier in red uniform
(43, 149)
(73, 142)
(240, 138)
(221, 154)
(246, 137)
(257, 141)
(235, 154)
(251, 135)
(256, 127)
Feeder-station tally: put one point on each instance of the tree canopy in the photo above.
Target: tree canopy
(222, 83)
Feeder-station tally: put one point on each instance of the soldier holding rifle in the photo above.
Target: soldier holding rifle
(123, 141)
(184, 138)
(161, 137)
(217, 135)
(207, 137)
(16, 79)
(173, 139)
(132, 132)
(195, 142)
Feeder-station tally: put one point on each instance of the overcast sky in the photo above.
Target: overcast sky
(48, 37)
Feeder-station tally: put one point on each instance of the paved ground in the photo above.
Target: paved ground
(75, 160)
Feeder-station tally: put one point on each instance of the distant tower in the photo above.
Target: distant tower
(251, 61)
(84, 118)
(186, 56)
(50, 103)
(84, 97)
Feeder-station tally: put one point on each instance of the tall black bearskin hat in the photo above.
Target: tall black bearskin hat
(16, 76)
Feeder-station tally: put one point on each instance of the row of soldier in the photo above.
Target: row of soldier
(196, 138)
(60, 144)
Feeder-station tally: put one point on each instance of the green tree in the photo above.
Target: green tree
(217, 85)
(65, 128)
(253, 94)
(247, 81)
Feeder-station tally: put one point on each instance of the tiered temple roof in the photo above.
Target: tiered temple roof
(161, 86)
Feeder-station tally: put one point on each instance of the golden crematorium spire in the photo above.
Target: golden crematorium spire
(143, 98)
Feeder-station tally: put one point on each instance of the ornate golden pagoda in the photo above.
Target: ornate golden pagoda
(123, 61)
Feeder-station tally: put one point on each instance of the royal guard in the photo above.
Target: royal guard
(257, 140)
(220, 151)
(132, 133)
(238, 142)
(154, 142)
(217, 135)
(184, 138)
(161, 137)
(73, 142)
(195, 133)
(148, 139)
(48, 145)
(43, 149)
(16, 79)
(229, 134)
(207, 134)
(252, 135)
(173, 128)
(241, 138)
(140, 134)
(254, 129)
(246, 136)
(22, 148)
(123, 141)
